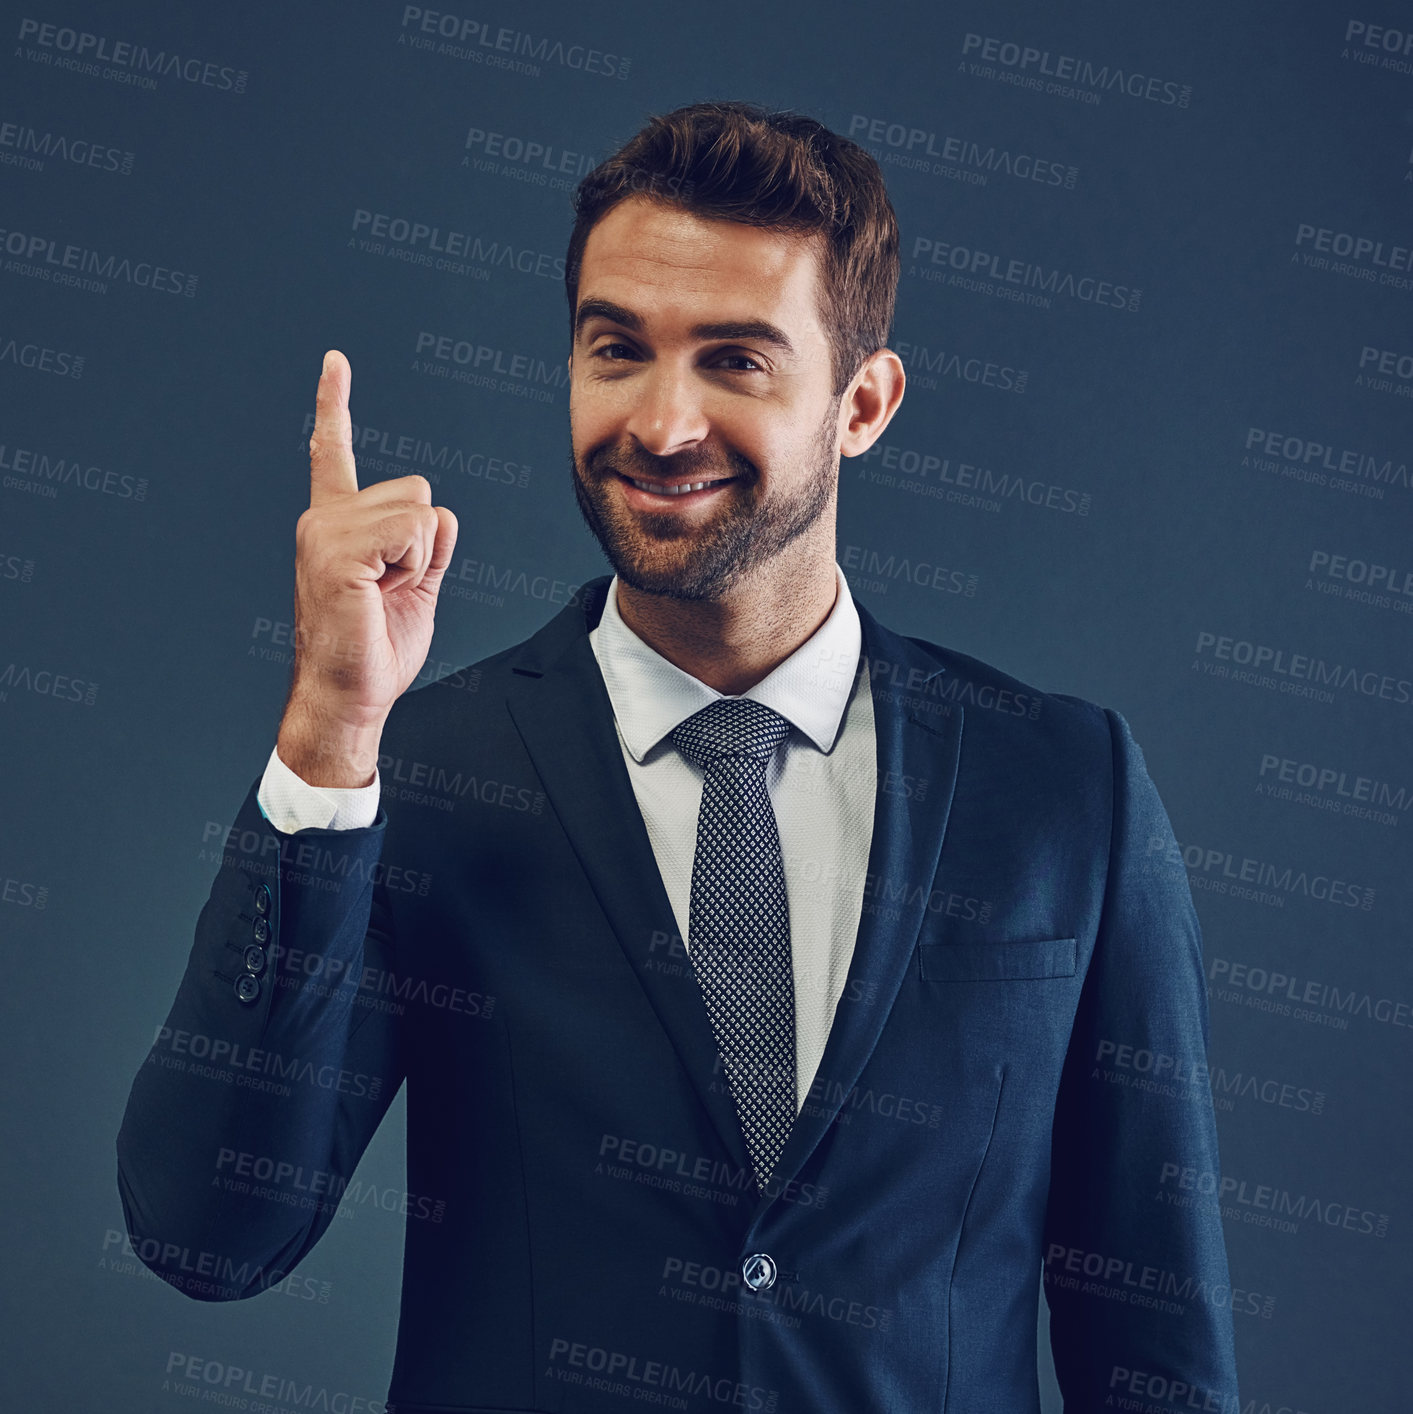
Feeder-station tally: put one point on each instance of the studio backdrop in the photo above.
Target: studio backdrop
(1156, 313)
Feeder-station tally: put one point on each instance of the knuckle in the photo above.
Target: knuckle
(327, 441)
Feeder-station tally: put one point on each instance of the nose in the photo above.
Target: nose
(668, 412)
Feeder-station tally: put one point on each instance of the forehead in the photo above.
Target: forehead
(664, 263)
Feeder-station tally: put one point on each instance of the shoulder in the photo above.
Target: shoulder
(996, 704)
(464, 706)
(1081, 750)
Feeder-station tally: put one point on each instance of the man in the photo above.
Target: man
(754, 993)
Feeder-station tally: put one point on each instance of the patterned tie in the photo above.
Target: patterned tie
(738, 921)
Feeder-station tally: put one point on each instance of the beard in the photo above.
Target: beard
(655, 552)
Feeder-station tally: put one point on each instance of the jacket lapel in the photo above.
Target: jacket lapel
(562, 711)
(919, 736)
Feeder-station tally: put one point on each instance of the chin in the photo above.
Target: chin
(677, 591)
(684, 578)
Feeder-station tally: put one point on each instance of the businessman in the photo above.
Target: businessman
(779, 998)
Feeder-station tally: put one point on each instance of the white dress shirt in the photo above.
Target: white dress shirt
(821, 780)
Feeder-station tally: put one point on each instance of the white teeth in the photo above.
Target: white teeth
(670, 490)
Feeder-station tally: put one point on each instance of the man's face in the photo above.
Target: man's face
(699, 357)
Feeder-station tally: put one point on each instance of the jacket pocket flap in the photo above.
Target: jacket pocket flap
(967, 962)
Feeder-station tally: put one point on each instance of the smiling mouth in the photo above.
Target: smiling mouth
(680, 488)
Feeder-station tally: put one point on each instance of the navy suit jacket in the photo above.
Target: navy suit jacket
(985, 1123)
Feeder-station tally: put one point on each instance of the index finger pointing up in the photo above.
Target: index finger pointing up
(332, 471)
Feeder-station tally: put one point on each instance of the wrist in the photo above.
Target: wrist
(323, 751)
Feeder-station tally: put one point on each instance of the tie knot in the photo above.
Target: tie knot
(731, 726)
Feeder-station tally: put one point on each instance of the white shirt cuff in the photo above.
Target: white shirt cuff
(290, 803)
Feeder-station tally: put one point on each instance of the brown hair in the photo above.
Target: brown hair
(739, 162)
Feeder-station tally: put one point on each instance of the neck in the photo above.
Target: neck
(731, 643)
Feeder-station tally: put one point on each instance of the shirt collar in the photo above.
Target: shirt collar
(650, 695)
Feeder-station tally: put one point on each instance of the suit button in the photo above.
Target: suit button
(758, 1271)
(254, 960)
(247, 989)
(262, 900)
(261, 931)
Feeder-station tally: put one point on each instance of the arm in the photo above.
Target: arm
(268, 1079)
(262, 1090)
(1139, 1294)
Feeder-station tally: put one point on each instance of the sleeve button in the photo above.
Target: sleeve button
(247, 989)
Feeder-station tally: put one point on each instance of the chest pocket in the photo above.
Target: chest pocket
(998, 962)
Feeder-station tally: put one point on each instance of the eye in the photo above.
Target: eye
(603, 352)
(755, 364)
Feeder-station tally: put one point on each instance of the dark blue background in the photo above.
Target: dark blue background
(144, 655)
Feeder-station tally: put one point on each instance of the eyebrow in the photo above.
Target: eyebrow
(756, 330)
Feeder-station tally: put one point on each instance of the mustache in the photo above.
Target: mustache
(699, 465)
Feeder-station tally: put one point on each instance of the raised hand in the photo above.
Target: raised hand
(368, 567)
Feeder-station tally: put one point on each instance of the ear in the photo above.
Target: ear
(870, 401)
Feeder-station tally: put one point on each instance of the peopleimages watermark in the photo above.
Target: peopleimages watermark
(1317, 463)
(26, 147)
(18, 569)
(1175, 1396)
(442, 787)
(646, 1380)
(1357, 257)
(532, 160)
(307, 861)
(875, 570)
(1332, 788)
(203, 1273)
(448, 249)
(1065, 75)
(500, 46)
(1141, 1284)
(254, 1067)
(1159, 1072)
(1298, 674)
(928, 367)
(1378, 585)
(697, 1282)
(373, 988)
(1268, 989)
(221, 1383)
(964, 483)
(31, 469)
(1378, 366)
(130, 62)
(498, 370)
(1265, 1204)
(243, 1173)
(84, 267)
(1233, 872)
(1023, 281)
(1378, 46)
(376, 449)
(45, 682)
(24, 893)
(962, 159)
(695, 1176)
(41, 358)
